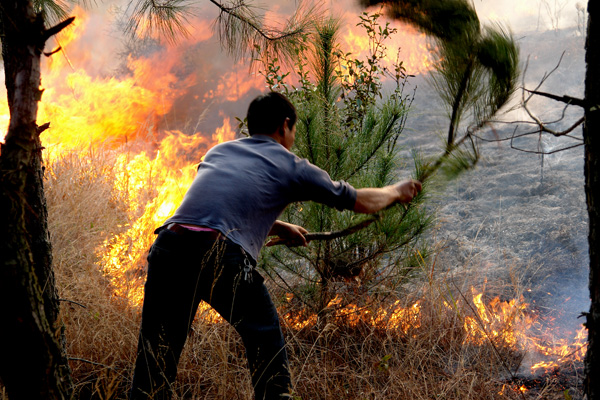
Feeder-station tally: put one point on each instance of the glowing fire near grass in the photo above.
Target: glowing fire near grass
(154, 166)
(496, 322)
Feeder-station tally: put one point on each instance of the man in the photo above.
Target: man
(208, 249)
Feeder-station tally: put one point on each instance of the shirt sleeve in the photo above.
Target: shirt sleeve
(315, 184)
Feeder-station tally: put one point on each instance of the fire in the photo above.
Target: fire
(497, 322)
(128, 116)
(560, 351)
(4, 119)
(513, 323)
(88, 110)
(122, 256)
(415, 50)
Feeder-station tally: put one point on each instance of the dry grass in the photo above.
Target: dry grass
(339, 357)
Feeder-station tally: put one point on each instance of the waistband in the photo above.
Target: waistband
(205, 233)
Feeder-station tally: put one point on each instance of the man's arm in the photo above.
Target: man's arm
(371, 200)
(368, 201)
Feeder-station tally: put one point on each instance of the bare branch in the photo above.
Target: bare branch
(544, 153)
(564, 133)
(543, 126)
(48, 33)
(49, 53)
(565, 99)
(43, 127)
(546, 74)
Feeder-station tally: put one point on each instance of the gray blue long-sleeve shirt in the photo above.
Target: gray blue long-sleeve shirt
(242, 187)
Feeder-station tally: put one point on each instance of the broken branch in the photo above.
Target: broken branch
(48, 33)
(565, 99)
(43, 127)
(331, 235)
(49, 53)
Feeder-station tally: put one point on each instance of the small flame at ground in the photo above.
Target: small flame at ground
(499, 323)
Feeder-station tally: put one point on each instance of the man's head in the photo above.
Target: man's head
(273, 114)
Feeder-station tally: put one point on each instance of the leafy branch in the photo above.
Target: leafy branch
(239, 24)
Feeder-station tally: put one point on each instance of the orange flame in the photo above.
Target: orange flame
(125, 114)
(415, 50)
(509, 323)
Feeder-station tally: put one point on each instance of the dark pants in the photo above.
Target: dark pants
(183, 269)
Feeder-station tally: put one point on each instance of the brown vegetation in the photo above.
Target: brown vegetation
(348, 353)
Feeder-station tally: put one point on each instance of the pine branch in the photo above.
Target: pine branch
(346, 231)
(269, 35)
(54, 10)
(168, 17)
(242, 31)
(332, 235)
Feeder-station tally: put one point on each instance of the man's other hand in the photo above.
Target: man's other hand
(289, 234)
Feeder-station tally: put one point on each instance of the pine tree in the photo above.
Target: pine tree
(350, 128)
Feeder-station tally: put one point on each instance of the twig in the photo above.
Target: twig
(89, 362)
(523, 134)
(545, 153)
(74, 302)
(568, 100)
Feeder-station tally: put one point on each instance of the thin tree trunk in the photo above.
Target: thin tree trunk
(33, 364)
(591, 131)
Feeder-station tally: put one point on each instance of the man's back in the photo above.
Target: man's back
(242, 187)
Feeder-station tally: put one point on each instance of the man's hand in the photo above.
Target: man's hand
(407, 190)
(371, 200)
(291, 235)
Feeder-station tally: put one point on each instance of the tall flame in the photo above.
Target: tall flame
(128, 115)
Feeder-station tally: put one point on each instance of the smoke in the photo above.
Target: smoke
(527, 16)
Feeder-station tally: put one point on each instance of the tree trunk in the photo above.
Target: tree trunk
(33, 364)
(591, 131)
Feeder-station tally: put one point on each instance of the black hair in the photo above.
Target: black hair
(267, 112)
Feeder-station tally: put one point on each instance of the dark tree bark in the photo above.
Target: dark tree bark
(33, 363)
(591, 131)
